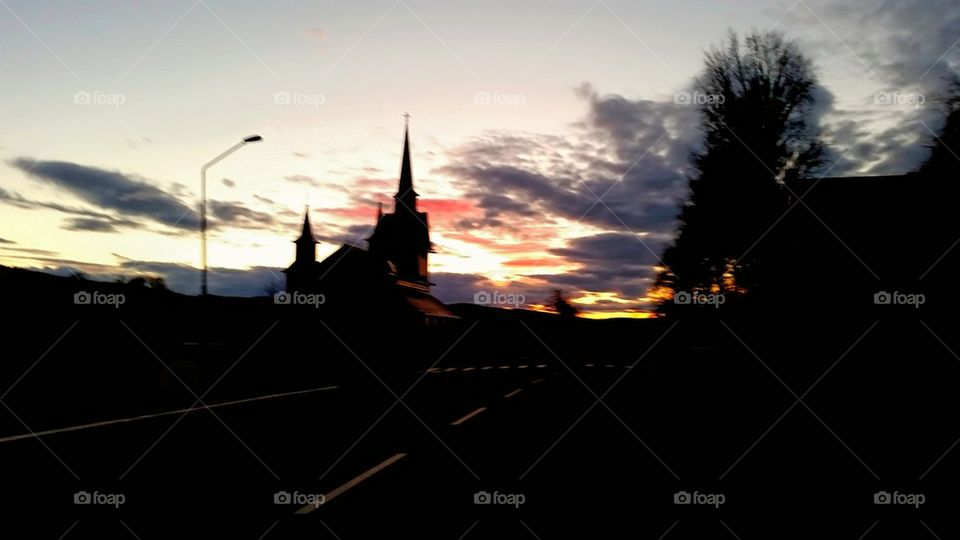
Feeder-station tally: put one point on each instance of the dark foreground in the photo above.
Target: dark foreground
(793, 424)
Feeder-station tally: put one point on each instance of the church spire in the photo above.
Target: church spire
(307, 243)
(406, 196)
(306, 234)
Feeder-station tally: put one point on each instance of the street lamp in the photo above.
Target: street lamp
(203, 203)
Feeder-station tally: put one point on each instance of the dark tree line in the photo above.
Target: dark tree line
(761, 150)
(945, 146)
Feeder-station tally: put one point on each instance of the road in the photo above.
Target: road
(564, 443)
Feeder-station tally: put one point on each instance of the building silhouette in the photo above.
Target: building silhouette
(391, 277)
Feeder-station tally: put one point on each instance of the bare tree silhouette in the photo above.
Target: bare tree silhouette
(756, 99)
(560, 304)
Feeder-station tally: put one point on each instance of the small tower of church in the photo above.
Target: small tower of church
(303, 270)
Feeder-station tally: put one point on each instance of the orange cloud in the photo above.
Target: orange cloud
(446, 206)
(498, 244)
(446, 212)
(442, 211)
(534, 262)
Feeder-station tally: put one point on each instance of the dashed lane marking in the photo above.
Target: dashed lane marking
(306, 509)
(515, 392)
(156, 415)
(468, 416)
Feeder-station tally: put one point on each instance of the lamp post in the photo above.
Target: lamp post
(203, 204)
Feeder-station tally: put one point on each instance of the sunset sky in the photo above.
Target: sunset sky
(524, 113)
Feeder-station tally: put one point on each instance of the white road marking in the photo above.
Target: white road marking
(156, 415)
(486, 367)
(537, 381)
(522, 366)
(515, 392)
(468, 368)
(468, 416)
(306, 509)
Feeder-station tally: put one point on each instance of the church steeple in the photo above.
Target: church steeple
(307, 243)
(406, 197)
(402, 238)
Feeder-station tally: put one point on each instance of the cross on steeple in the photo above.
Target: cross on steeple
(406, 120)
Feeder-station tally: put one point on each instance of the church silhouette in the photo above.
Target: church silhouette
(391, 277)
